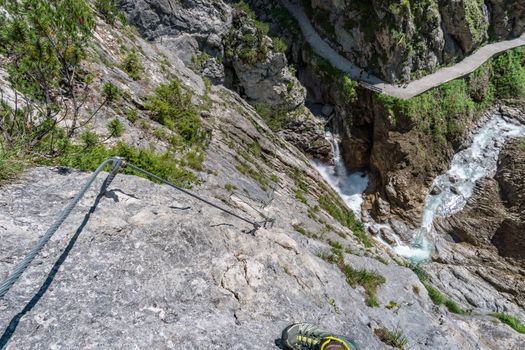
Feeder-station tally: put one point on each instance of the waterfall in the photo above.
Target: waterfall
(350, 186)
(449, 192)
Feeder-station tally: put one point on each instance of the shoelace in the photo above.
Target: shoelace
(305, 338)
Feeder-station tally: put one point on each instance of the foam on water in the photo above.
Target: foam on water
(450, 190)
(349, 186)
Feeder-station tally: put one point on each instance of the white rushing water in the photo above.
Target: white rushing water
(450, 191)
(349, 186)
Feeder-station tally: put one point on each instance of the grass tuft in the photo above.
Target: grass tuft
(511, 321)
(394, 338)
(346, 218)
(369, 280)
(434, 294)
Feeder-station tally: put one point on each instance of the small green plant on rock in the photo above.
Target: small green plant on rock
(521, 145)
(434, 294)
(391, 305)
(512, 321)
(89, 139)
(172, 107)
(132, 116)
(109, 10)
(345, 217)
(279, 45)
(111, 93)
(300, 229)
(133, 65)
(369, 280)
(230, 187)
(199, 60)
(394, 338)
(115, 128)
(332, 303)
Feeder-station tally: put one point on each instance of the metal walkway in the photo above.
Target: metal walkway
(407, 91)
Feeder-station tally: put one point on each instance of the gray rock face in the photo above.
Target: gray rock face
(238, 56)
(306, 132)
(507, 17)
(466, 22)
(203, 26)
(144, 270)
(269, 81)
(204, 21)
(487, 249)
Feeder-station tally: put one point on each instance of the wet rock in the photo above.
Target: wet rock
(436, 190)
(306, 132)
(402, 230)
(388, 236)
(486, 261)
(478, 221)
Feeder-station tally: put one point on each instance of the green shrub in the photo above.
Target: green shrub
(453, 307)
(369, 280)
(132, 116)
(512, 321)
(108, 9)
(255, 173)
(10, 165)
(279, 45)
(243, 6)
(391, 305)
(43, 44)
(299, 195)
(133, 65)
(276, 119)
(89, 139)
(336, 245)
(115, 128)
(249, 39)
(349, 90)
(194, 160)
(250, 47)
(521, 145)
(300, 229)
(438, 112)
(509, 74)
(199, 60)
(111, 93)
(262, 29)
(230, 187)
(444, 111)
(172, 107)
(434, 294)
(162, 165)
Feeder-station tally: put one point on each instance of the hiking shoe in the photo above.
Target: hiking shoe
(305, 336)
